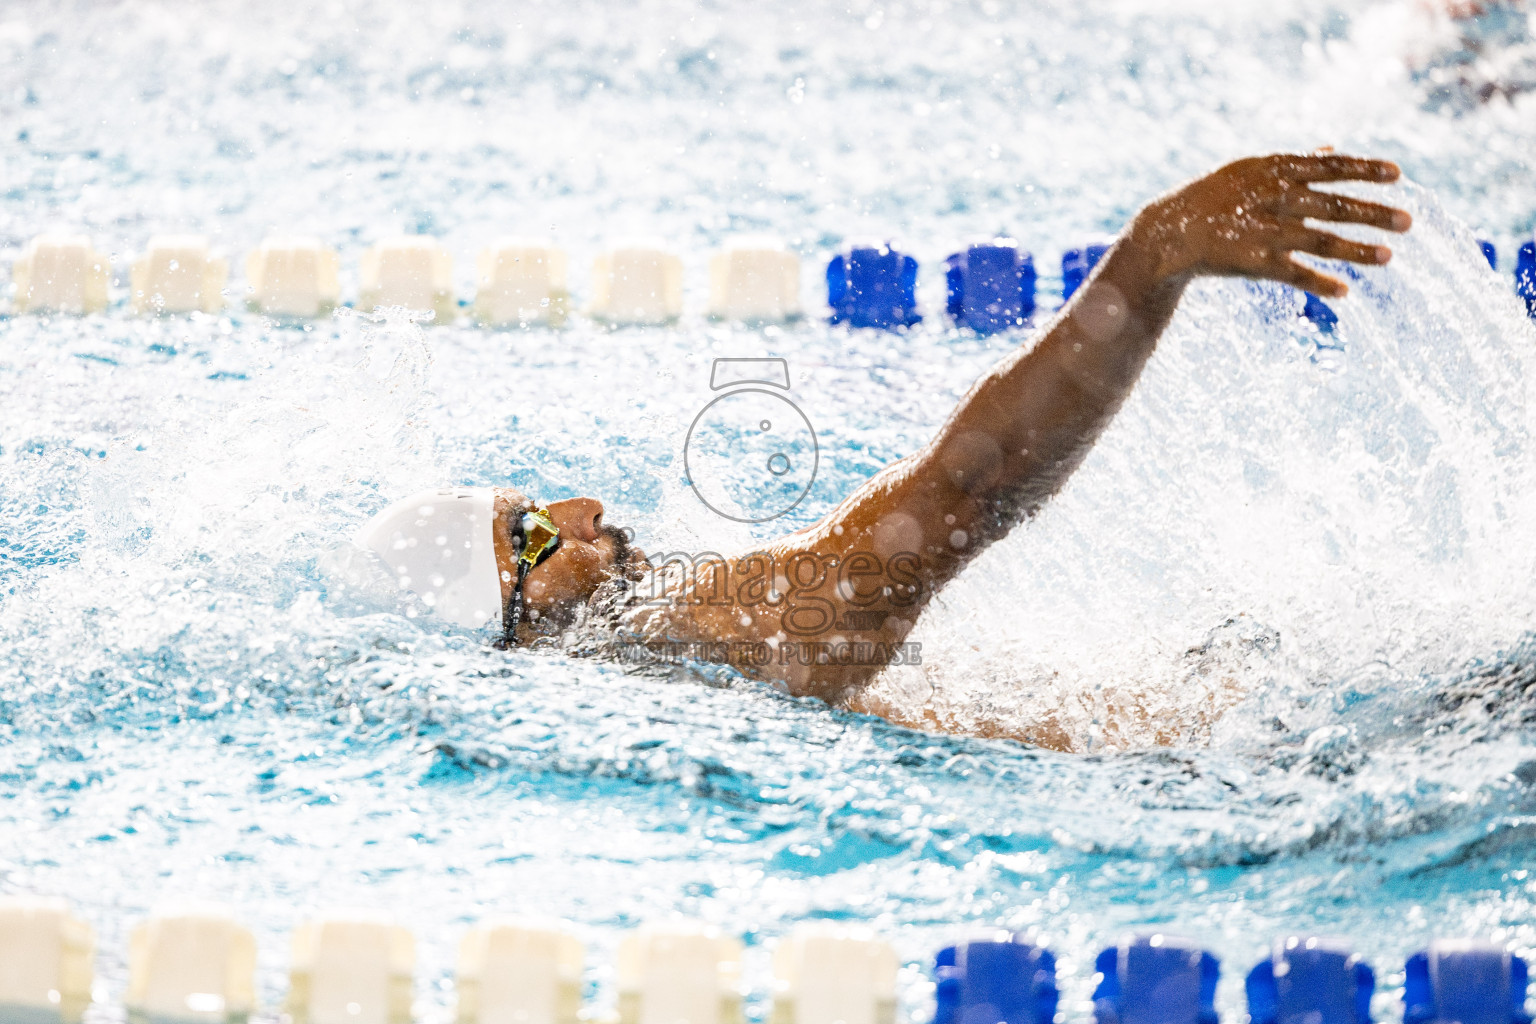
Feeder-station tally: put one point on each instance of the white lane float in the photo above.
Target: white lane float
(45, 961)
(513, 972)
(58, 273)
(293, 277)
(192, 964)
(352, 969)
(754, 280)
(637, 283)
(682, 973)
(178, 274)
(829, 975)
(411, 271)
(521, 281)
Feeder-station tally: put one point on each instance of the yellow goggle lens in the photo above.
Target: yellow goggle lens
(539, 535)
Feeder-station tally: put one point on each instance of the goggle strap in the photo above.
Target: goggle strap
(514, 611)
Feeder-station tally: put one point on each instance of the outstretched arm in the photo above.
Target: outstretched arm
(1026, 425)
(835, 599)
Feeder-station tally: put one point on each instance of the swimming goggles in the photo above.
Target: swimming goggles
(534, 538)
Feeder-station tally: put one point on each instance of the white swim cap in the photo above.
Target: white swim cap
(438, 545)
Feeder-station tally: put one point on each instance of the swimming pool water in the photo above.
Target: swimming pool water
(1331, 539)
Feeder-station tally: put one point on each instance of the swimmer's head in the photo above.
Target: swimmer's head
(454, 548)
(590, 553)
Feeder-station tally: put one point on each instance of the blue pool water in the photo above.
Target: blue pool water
(1331, 540)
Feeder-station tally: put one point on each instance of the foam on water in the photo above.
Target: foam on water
(1329, 538)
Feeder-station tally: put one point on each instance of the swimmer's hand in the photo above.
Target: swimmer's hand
(1248, 219)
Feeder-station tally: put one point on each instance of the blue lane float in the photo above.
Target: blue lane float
(1076, 265)
(1156, 979)
(991, 286)
(1002, 980)
(1320, 313)
(1310, 981)
(1525, 277)
(873, 286)
(1468, 982)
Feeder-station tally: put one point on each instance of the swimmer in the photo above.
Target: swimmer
(822, 611)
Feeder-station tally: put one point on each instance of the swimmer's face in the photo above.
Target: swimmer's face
(590, 552)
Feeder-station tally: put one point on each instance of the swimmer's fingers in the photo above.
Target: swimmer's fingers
(1332, 167)
(1332, 247)
(1341, 209)
(1284, 268)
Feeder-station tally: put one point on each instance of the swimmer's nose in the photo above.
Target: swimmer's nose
(581, 518)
